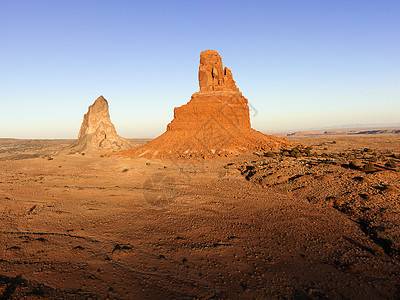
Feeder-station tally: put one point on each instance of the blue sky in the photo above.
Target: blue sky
(302, 64)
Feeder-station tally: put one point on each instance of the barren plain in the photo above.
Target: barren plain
(317, 221)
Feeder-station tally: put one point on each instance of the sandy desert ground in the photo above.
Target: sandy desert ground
(306, 223)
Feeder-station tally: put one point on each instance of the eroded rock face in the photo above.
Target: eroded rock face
(212, 75)
(97, 133)
(215, 122)
(227, 108)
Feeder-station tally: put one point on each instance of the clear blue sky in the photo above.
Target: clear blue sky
(302, 64)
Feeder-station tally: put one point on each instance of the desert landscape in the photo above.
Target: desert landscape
(210, 209)
(259, 225)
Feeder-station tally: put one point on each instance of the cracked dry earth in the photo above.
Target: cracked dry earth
(89, 226)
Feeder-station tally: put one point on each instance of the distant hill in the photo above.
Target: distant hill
(341, 131)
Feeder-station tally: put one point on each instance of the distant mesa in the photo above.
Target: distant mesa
(215, 122)
(97, 133)
(343, 131)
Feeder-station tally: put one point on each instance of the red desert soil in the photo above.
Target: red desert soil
(76, 226)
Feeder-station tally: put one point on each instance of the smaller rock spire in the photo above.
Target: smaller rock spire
(97, 132)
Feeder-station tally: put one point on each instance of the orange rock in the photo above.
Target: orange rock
(215, 122)
(212, 75)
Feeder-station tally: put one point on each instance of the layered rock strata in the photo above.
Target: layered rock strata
(215, 122)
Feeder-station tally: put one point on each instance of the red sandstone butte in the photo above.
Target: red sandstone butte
(215, 122)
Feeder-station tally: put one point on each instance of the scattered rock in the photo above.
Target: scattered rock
(14, 248)
(122, 247)
(32, 209)
(367, 196)
(79, 247)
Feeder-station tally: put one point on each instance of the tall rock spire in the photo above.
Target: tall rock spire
(215, 122)
(97, 132)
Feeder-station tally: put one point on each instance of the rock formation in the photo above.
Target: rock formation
(212, 76)
(97, 133)
(215, 122)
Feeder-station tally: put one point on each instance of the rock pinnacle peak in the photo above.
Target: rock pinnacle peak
(97, 132)
(101, 98)
(212, 75)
